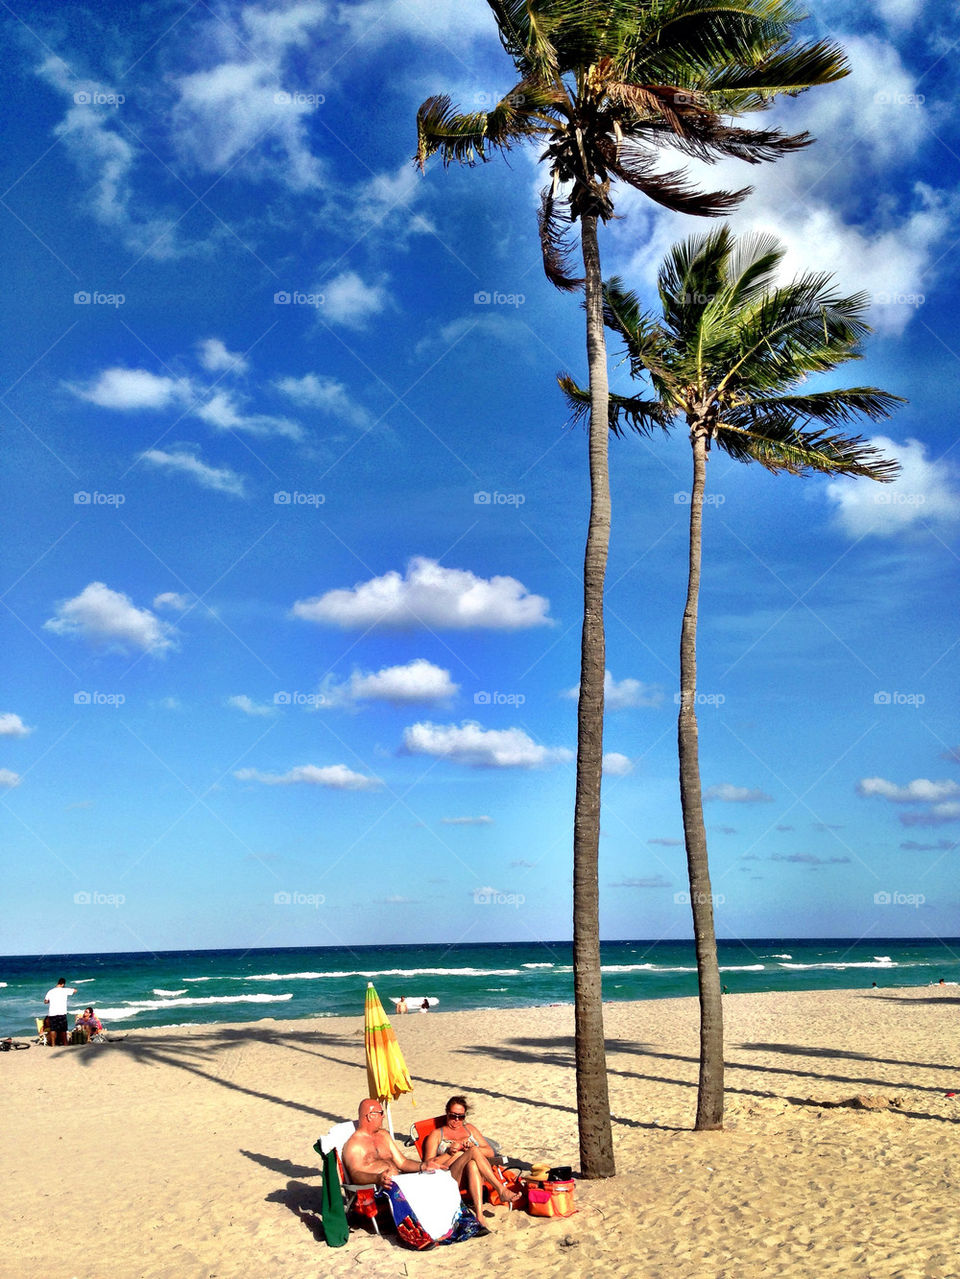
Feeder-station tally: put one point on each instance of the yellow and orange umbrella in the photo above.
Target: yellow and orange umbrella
(387, 1074)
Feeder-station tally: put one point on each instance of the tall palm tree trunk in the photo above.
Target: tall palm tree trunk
(710, 1090)
(593, 1102)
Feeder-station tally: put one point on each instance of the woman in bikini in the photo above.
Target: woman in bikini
(464, 1151)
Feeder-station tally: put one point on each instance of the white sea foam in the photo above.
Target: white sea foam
(639, 968)
(281, 977)
(742, 968)
(368, 973)
(168, 993)
(3, 983)
(776, 957)
(538, 965)
(150, 1005)
(882, 961)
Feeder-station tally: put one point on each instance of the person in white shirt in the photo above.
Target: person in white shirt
(56, 998)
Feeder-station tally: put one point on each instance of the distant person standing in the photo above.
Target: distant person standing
(402, 1004)
(57, 997)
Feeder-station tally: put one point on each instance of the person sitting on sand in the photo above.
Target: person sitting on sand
(88, 1021)
(371, 1157)
(465, 1152)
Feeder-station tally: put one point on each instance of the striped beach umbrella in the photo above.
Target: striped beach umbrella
(387, 1074)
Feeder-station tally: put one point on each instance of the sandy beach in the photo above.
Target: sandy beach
(181, 1154)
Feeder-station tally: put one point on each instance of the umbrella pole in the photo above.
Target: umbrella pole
(389, 1118)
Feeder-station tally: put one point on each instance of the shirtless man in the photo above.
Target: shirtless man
(371, 1157)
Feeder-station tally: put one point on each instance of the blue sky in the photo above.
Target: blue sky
(293, 523)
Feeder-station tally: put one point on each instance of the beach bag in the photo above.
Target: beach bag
(550, 1199)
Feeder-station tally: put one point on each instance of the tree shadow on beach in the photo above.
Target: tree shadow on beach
(530, 1051)
(203, 1055)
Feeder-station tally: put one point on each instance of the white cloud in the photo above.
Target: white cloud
(109, 619)
(324, 393)
(172, 600)
(349, 301)
(478, 747)
(222, 411)
(126, 389)
(418, 682)
(920, 791)
(730, 794)
(9, 779)
(220, 479)
(249, 707)
(444, 21)
(431, 596)
(105, 158)
(466, 821)
(12, 725)
(215, 358)
(616, 765)
(626, 693)
(813, 200)
(923, 493)
(936, 815)
(650, 881)
(333, 776)
(243, 110)
(385, 194)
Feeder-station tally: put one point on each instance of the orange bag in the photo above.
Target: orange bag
(550, 1199)
(509, 1177)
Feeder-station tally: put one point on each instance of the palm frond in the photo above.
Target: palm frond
(832, 407)
(798, 452)
(461, 138)
(636, 166)
(642, 416)
(555, 221)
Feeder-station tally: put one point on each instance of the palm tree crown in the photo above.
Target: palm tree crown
(732, 350)
(605, 86)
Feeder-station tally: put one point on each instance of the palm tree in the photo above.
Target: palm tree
(729, 356)
(605, 85)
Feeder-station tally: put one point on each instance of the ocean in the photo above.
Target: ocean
(198, 987)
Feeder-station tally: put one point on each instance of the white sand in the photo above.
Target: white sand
(186, 1154)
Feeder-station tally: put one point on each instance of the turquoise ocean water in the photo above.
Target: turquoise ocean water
(196, 987)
